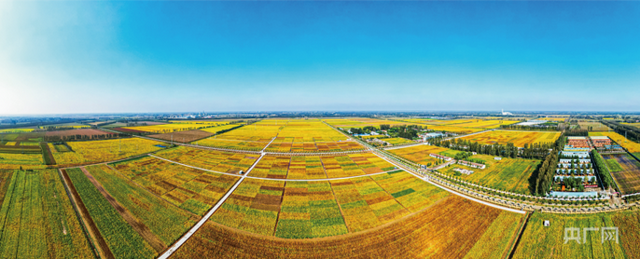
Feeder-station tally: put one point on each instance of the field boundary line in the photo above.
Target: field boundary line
(173, 248)
(100, 245)
(270, 179)
(518, 236)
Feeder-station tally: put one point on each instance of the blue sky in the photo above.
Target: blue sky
(161, 56)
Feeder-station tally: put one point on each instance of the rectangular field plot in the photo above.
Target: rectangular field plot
(183, 136)
(365, 204)
(397, 141)
(250, 137)
(38, 218)
(121, 238)
(518, 138)
(310, 136)
(170, 127)
(413, 193)
(191, 189)
(220, 161)
(626, 172)
(539, 241)
(253, 207)
(483, 124)
(320, 167)
(24, 161)
(507, 174)
(361, 122)
(419, 154)
(309, 210)
(164, 220)
(592, 126)
(89, 152)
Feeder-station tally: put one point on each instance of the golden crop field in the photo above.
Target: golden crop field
(219, 128)
(190, 189)
(249, 137)
(220, 161)
(483, 124)
(454, 129)
(539, 241)
(15, 130)
(518, 138)
(510, 174)
(168, 128)
(633, 147)
(452, 228)
(316, 167)
(420, 153)
(26, 161)
(637, 125)
(213, 122)
(88, 152)
(291, 135)
(361, 122)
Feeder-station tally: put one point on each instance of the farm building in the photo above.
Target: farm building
(463, 171)
(446, 158)
(600, 141)
(581, 155)
(579, 142)
(471, 164)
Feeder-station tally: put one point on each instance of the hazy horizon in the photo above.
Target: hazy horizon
(157, 56)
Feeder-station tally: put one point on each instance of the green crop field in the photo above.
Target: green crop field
(539, 241)
(165, 220)
(309, 210)
(253, 207)
(507, 174)
(38, 218)
(122, 239)
(191, 189)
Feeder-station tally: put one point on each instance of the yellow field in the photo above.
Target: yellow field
(637, 125)
(633, 147)
(168, 128)
(219, 128)
(291, 135)
(420, 153)
(15, 130)
(373, 136)
(361, 122)
(88, 152)
(249, 137)
(518, 138)
(26, 161)
(455, 129)
(484, 124)
(69, 126)
(213, 123)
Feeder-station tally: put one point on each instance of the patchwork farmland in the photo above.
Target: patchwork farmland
(297, 194)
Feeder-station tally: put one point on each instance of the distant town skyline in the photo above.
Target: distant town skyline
(159, 56)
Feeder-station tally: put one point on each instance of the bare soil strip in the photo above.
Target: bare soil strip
(103, 248)
(138, 226)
